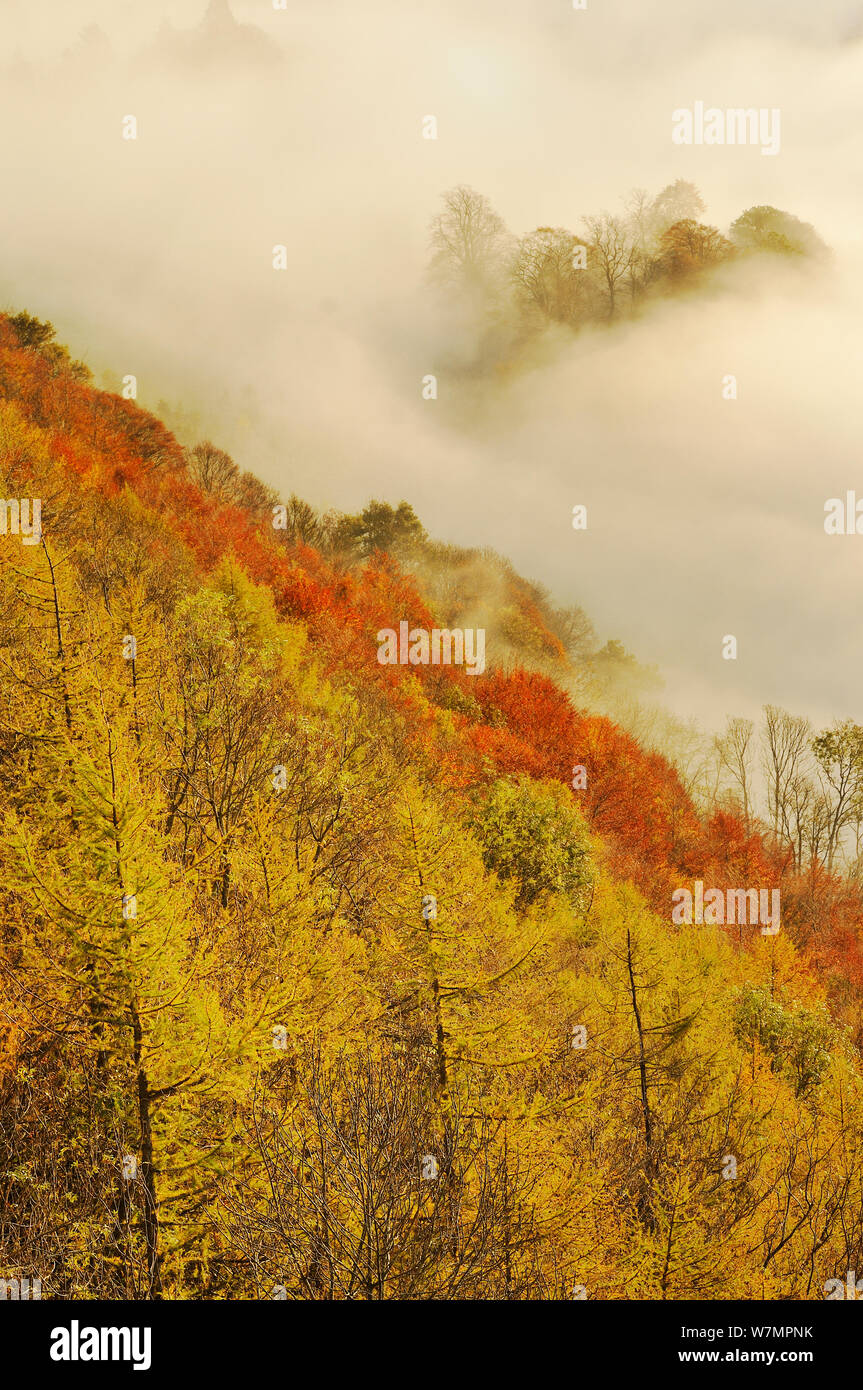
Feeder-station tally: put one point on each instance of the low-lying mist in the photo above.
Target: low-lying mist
(154, 257)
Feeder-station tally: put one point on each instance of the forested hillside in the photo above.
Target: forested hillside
(323, 978)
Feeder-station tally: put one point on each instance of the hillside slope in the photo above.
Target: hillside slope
(335, 976)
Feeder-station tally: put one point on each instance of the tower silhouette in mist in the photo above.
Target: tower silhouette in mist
(218, 41)
(219, 18)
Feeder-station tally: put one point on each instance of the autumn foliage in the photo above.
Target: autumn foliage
(274, 914)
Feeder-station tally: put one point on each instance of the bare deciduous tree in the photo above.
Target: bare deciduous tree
(213, 470)
(469, 240)
(734, 748)
(785, 748)
(369, 1191)
(612, 248)
(545, 274)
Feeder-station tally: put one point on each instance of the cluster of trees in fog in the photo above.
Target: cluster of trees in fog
(338, 535)
(455, 579)
(801, 787)
(555, 275)
(807, 787)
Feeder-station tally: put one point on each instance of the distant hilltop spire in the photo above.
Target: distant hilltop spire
(219, 17)
(217, 40)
